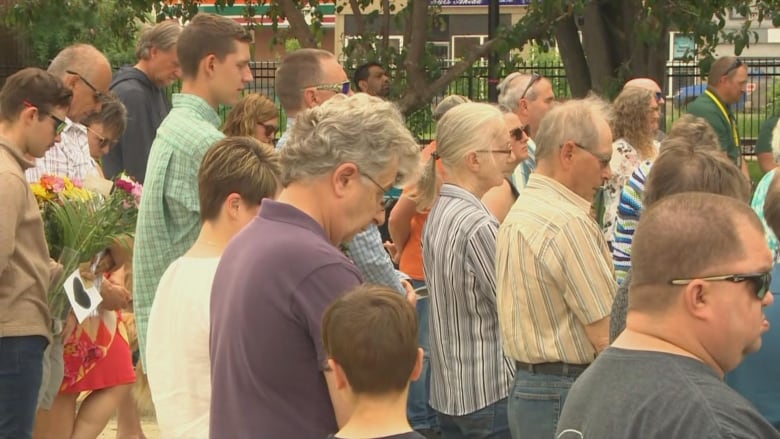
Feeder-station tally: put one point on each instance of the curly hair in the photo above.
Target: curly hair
(631, 119)
(250, 110)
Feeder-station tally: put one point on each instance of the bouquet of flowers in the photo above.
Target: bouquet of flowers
(80, 223)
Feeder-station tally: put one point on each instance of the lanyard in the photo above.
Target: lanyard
(726, 115)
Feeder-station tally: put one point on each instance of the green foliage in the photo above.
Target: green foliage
(47, 26)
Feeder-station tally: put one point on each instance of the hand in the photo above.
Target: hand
(395, 252)
(114, 295)
(411, 296)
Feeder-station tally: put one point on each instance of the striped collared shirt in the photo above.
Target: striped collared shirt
(66, 158)
(554, 274)
(469, 370)
(169, 215)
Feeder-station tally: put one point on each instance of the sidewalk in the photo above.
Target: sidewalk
(148, 423)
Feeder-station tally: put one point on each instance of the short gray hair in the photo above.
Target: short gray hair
(512, 87)
(448, 103)
(297, 70)
(359, 129)
(162, 35)
(81, 58)
(574, 120)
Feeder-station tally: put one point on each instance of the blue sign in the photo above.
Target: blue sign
(479, 2)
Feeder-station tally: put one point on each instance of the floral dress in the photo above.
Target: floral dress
(625, 159)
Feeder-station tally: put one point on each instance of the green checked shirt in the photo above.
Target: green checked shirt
(169, 215)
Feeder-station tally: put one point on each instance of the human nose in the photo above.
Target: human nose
(769, 299)
(246, 74)
(379, 216)
(606, 173)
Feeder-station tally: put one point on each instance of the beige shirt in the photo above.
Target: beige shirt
(554, 274)
(24, 257)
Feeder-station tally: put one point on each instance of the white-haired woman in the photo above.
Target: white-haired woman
(471, 376)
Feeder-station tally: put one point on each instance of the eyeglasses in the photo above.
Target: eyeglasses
(382, 190)
(659, 96)
(102, 141)
(761, 281)
(734, 66)
(59, 124)
(270, 130)
(506, 150)
(520, 133)
(535, 77)
(340, 87)
(603, 161)
(98, 94)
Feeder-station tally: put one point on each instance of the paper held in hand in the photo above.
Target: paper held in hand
(83, 295)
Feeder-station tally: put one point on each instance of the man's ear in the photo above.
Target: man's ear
(232, 205)
(698, 300)
(342, 178)
(310, 98)
(363, 86)
(338, 373)
(418, 364)
(207, 64)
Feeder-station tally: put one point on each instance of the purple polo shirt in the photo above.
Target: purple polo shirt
(273, 283)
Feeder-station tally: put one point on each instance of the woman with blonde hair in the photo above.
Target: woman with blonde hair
(470, 375)
(634, 128)
(254, 116)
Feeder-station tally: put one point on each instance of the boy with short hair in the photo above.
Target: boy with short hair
(370, 335)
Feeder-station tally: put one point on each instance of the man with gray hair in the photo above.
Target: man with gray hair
(142, 89)
(530, 97)
(86, 71)
(277, 276)
(307, 78)
(555, 281)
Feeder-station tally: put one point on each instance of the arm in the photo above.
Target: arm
(399, 223)
(766, 161)
(766, 137)
(12, 192)
(341, 407)
(482, 256)
(499, 200)
(598, 333)
(372, 260)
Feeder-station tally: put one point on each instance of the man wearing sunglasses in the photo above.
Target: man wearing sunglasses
(699, 288)
(530, 97)
(32, 105)
(87, 73)
(726, 84)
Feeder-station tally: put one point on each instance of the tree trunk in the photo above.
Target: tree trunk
(298, 27)
(570, 48)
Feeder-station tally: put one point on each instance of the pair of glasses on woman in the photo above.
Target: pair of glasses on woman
(270, 130)
(761, 281)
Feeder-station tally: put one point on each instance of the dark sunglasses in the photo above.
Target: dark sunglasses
(761, 281)
(658, 96)
(520, 133)
(534, 78)
(98, 94)
(270, 130)
(341, 87)
(734, 66)
(59, 124)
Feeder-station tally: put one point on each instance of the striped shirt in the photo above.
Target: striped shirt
(629, 208)
(554, 275)
(469, 370)
(169, 215)
(67, 158)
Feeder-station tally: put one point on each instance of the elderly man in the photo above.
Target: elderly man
(142, 89)
(33, 104)
(555, 281)
(86, 71)
(726, 84)
(530, 97)
(275, 279)
(305, 79)
(214, 55)
(699, 288)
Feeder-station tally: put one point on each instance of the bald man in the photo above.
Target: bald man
(650, 84)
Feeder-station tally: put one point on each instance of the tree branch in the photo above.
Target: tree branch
(298, 27)
(360, 23)
(385, 24)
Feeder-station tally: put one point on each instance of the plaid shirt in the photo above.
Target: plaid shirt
(369, 254)
(169, 215)
(67, 158)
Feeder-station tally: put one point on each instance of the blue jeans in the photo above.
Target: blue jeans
(421, 415)
(487, 423)
(21, 367)
(535, 404)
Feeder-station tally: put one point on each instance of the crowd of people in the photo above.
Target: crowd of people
(555, 269)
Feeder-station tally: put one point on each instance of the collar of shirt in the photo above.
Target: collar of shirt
(287, 213)
(453, 191)
(543, 182)
(24, 162)
(198, 105)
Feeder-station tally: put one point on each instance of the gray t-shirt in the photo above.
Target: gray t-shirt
(642, 394)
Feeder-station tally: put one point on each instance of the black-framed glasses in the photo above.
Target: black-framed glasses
(59, 124)
(98, 94)
(534, 78)
(340, 87)
(103, 141)
(270, 130)
(520, 133)
(734, 66)
(603, 161)
(382, 190)
(761, 281)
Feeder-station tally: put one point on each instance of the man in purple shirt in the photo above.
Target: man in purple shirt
(275, 279)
